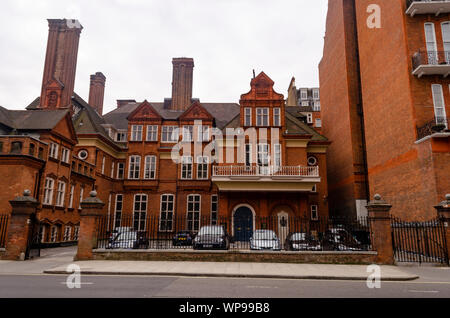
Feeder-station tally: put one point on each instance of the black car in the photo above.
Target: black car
(183, 238)
(212, 237)
(339, 239)
(302, 242)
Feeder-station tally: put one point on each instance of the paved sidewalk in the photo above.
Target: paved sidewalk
(248, 270)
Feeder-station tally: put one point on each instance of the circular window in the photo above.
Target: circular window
(312, 161)
(83, 154)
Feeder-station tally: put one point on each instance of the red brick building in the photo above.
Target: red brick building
(385, 95)
(273, 164)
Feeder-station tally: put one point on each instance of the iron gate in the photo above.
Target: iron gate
(419, 242)
(34, 239)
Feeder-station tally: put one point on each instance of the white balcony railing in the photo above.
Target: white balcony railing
(436, 7)
(270, 171)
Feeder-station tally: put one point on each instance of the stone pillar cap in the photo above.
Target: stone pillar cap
(92, 199)
(377, 200)
(25, 198)
(445, 203)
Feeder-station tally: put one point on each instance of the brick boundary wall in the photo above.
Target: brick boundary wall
(245, 256)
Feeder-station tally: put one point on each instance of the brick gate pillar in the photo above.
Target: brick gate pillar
(91, 208)
(443, 211)
(20, 226)
(380, 225)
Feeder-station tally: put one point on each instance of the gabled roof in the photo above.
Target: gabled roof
(31, 120)
(297, 127)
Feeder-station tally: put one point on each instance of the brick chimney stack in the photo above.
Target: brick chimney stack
(183, 70)
(60, 63)
(97, 92)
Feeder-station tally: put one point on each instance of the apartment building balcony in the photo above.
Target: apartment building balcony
(437, 125)
(435, 7)
(431, 63)
(271, 178)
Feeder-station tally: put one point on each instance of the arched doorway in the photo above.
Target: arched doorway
(283, 227)
(243, 223)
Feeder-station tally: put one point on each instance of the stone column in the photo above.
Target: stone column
(380, 225)
(443, 211)
(91, 208)
(20, 226)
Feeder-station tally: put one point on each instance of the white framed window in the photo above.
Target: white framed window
(76, 232)
(53, 153)
(134, 169)
(318, 123)
(202, 167)
(186, 167)
(67, 233)
(430, 38)
(188, 131)
(118, 210)
(277, 156)
(167, 212)
(312, 161)
(305, 103)
(277, 116)
(83, 154)
(72, 191)
(81, 197)
(214, 209)
(42, 233)
(193, 212)
(136, 132)
(316, 93)
(309, 118)
(139, 212)
(60, 193)
(103, 164)
(112, 169)
(314, 212)
(121, 136)
(248, 155)
(53, 234)
(150, 167)
(445, 27)
(263, 155)
(65, 154)
(247, 116)
(439, 103)
(169, 134)
(203, 133)
(152, 133)
(262, 116)
(120, 170)
(303, 94)
(48, 191)
(317, 106)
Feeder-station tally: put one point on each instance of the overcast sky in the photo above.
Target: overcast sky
(133, 42)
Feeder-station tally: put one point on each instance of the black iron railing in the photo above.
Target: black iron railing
(419, 242)
(430, 58)
(4, 218)
(438, 124)
(255, 233)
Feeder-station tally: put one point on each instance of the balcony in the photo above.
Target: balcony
(435, 7)
(431, 63)
(439, 124)
(256, 178)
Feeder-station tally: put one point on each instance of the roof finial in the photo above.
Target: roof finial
(254, 74)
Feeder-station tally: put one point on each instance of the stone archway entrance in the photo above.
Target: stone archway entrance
(243, 224)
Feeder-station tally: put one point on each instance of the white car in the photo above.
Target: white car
(124, 240)
(265, 240)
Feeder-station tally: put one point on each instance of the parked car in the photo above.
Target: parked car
(302, 242)
(129, 240)
(265, 240)
(339, 239)
(183, 238)
(212, 237)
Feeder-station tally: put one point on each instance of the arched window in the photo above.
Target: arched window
(16, 147)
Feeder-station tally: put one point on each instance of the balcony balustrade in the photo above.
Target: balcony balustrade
(435, 7)
(431, 63)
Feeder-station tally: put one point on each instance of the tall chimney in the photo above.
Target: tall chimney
(97, 92)
(183, 70)
(60, 63)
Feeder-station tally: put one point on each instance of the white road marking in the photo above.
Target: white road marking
(424, 291)
(65, 283)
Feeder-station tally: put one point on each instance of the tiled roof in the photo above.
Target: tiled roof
(31, 120)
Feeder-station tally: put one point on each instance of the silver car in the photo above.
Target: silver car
(265, 240)
(124, 240)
